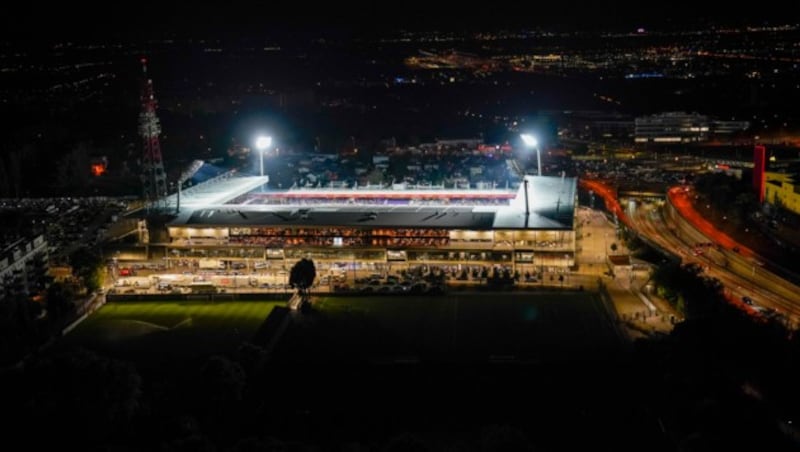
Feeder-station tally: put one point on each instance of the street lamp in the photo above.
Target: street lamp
(531, 142)
(263, 142)
(527, 207)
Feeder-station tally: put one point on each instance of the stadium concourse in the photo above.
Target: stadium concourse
(231, 221)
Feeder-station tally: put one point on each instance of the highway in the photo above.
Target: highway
(739, 274)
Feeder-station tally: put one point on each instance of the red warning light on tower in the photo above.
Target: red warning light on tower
(98, 166)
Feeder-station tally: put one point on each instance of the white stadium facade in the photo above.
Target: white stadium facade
(233, 221)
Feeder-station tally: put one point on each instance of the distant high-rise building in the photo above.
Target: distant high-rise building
(720, 128)
(673, 127)
(596, 125)
(679, 127)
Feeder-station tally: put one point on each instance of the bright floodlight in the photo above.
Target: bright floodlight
(529, 140)
(263, 142)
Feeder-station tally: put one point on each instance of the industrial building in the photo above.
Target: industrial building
(680, 127)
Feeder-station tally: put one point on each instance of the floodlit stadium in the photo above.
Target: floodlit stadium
(233, 221)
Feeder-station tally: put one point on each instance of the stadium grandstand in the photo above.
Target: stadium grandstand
(230, 219)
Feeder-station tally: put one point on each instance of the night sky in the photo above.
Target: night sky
(68, 20)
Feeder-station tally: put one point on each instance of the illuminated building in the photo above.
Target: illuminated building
(673, 127)
(381, 227)
(23, 264)
(782, 189)
(679, 127)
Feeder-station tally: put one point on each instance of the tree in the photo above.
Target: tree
(692, 293)
(91, 390)
(5, 186)
(406, 442)
(746, 203)
(73, 168)
(89, 267)
(59, 299)
(18, 327)
(375, 176)
(497, 438)
(302, 276)
(222, 380)
(254, 444)
(14, 171)
(631, 240)
(194, 443)
(250, 357)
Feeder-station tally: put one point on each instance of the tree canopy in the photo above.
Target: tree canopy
(88, 267)
(302, 275)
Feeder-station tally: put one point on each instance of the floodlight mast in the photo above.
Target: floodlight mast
(525, 187)
(531, 142)
(263, 142)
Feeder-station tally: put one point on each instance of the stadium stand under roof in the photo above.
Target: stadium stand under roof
(551, 203)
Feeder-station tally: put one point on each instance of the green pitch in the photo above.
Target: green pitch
(494, 326)
(155, 333)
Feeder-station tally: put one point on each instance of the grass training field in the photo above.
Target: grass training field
(519, 327)
(157, 332)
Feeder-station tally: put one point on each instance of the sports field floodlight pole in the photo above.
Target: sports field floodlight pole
(531, 142)
(263, 142)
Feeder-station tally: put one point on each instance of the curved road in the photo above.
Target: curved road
(649, 221)
(741, 271)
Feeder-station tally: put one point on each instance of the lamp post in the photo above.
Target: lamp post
(527, 207)
(531, 142)
(263, 142)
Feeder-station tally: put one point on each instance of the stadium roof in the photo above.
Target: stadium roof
(218, 190)
(551, 201)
